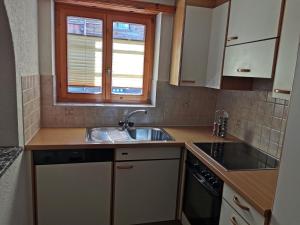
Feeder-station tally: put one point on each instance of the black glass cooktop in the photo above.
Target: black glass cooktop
(238, 156)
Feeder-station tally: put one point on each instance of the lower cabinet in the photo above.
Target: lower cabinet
(237, 211)
(145, 191)
(230, 216)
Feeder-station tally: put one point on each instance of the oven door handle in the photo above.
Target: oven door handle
(204, 184)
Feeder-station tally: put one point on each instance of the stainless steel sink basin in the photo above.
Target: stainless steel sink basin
(149, 134)
(106, 134)
(115, 134)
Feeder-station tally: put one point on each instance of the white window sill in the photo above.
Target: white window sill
(106, 105)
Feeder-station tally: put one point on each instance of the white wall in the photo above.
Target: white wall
(13, 193)
(23, 19)
(20, 58)
(8, 96)
(287, 199)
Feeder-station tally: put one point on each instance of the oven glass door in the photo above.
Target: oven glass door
(200, 206)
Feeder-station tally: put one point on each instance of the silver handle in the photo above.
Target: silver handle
(241, 70)
(232, 38)
(128, 167)
(233, 221)
(280, 91)
(188, 81)
(237, 202)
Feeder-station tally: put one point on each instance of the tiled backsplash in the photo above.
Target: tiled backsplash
(256, 118)
(31, 105)
(174, 106)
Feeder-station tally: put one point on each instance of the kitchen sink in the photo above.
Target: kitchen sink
(149, 134)
(115, 134)
(106, 134)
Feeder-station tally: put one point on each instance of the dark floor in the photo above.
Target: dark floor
(163, 223)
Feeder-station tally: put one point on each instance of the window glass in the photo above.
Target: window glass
(128, 58)
(85, 45)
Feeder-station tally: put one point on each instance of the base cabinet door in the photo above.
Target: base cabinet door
(73, 194)
(145, 191)
(230, 216)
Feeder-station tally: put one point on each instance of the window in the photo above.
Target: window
(103, 55)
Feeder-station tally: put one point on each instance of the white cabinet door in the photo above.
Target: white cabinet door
(74, 194)
(251, 216)
(195, 46)
(216, 46)
(145, 191)
(253, 20)
(230, 216)
(288, 48)
(250, 60)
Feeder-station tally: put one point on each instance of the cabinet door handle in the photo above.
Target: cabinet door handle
(237, 202)
(188, 81)
(232, 38)
(241, 70)
(233, 221)
(280, 91)
(127, 167)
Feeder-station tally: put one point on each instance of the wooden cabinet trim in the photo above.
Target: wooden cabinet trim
(137, 6)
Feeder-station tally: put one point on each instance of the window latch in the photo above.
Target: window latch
(108, 72)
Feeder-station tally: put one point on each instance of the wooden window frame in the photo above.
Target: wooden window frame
(62, 11)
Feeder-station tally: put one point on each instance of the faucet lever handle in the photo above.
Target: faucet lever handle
(121, 123)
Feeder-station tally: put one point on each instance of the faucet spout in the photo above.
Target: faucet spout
(135, 112)
(125, 123)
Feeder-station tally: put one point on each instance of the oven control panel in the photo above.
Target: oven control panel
(204, 173)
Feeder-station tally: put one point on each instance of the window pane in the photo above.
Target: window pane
(84, 43)
(128, 58)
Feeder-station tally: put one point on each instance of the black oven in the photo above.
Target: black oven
(202, 194)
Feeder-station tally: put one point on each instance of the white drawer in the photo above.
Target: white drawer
(124, 154)
(242, 207)
(250, 60)
(230, 216)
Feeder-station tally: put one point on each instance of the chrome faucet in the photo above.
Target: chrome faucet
(126, 123)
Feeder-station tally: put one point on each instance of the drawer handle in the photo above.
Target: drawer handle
(125, 167)
(243, 70)
(237, 202)
(188, 81)
(232, 38)
(233, 221)
(280, 91)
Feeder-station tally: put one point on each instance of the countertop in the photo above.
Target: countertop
(257, 187)
(7, 157)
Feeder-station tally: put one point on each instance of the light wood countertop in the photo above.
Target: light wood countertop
(257, 187)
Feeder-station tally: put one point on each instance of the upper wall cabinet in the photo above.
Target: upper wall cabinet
(254, 59)
(252, 40)
(253, 20)
(288, 48)
(199, 37)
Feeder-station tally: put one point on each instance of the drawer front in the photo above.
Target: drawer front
(242, 207)
(124, 154)
(250, 60)
(230, 216)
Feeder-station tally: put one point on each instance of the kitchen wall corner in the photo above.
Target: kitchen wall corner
(256, 118)
(31, 106)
